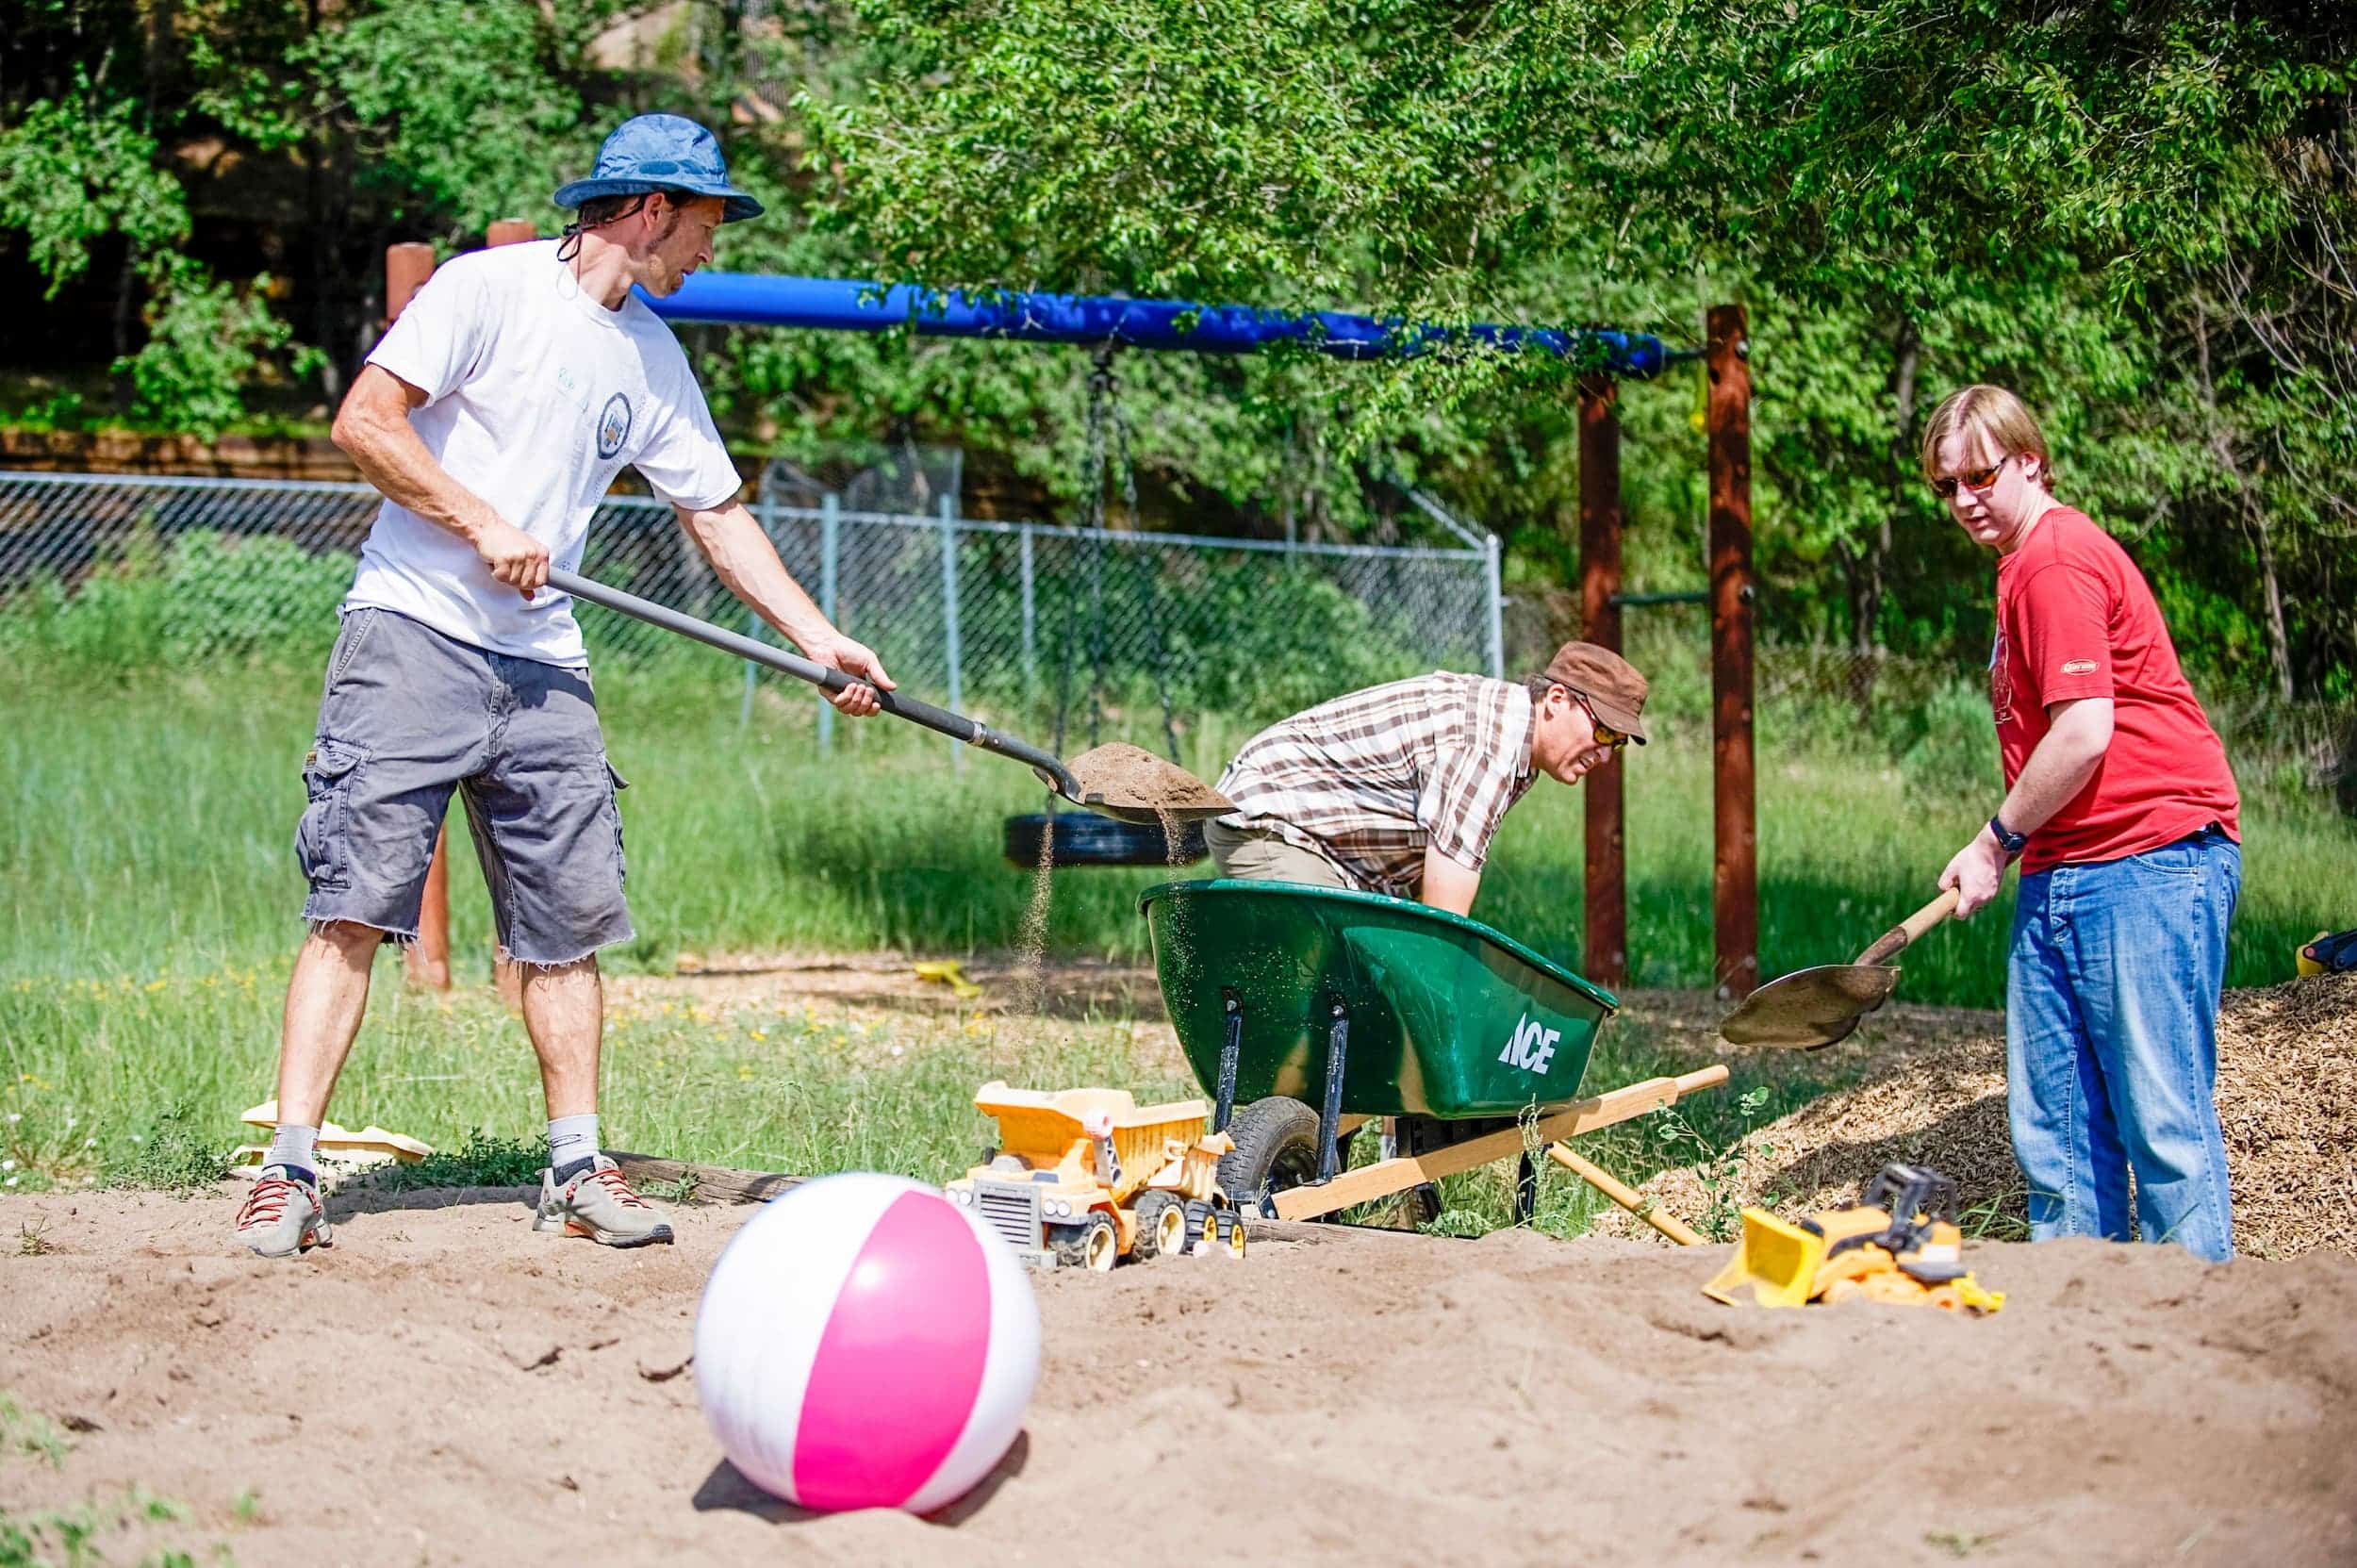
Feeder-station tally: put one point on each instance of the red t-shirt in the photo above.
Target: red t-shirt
(2075, 618)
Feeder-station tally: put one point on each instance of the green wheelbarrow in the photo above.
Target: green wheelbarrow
(1307, 1012)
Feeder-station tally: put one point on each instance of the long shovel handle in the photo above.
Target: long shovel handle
(1896, 940)
(955, 725)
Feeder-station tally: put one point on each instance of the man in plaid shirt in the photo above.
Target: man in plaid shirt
(1400, 788)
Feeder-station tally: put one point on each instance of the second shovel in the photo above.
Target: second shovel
(1812, 1008)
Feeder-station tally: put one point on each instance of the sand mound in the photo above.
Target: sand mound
(2286, 1094)
(443, 1387)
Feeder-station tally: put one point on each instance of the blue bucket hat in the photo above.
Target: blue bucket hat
(661, 152)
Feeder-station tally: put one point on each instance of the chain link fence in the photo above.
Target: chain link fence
(1087, 632)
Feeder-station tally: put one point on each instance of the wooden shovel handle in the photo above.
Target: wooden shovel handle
(1890, 943)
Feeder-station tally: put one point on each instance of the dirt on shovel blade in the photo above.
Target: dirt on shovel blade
(1130, 779)
(1814, 1007)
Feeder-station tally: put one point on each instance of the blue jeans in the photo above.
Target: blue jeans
(2111, 1043)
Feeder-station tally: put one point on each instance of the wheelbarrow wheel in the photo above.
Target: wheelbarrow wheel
(1277, 1148)
(1162, 1226)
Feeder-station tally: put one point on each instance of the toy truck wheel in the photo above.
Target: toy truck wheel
(1231, 1231)
(1161, 1226)
(1199, 1223)
(1277, 1148)
(1091, 1244)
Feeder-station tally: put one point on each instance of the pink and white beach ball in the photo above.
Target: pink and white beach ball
(865, 1342)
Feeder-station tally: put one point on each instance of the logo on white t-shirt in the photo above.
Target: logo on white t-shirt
(614, 425)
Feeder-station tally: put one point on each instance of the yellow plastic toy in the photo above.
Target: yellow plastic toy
(1899, 1244)
(1084, 1178)
(950, 972)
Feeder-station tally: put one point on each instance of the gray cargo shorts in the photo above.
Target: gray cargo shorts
(410, 714)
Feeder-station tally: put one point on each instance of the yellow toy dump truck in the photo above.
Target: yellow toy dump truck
(1087, 1177)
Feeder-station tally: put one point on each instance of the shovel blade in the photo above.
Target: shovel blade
(1135, 785)
(1809, 1007)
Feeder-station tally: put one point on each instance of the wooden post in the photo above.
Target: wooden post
(1735, 868)
(1604, 954)
(407, 268)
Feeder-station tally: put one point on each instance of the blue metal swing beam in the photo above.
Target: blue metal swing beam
(844, 304)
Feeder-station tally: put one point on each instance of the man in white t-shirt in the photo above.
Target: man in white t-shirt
(493, 416)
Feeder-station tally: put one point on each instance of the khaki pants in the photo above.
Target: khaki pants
(1258, 855)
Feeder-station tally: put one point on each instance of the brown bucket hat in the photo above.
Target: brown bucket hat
(1613, 688)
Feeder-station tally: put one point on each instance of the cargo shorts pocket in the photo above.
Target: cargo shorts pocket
(323, 845)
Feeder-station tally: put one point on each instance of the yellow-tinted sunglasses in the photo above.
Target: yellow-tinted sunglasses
(1606, 734)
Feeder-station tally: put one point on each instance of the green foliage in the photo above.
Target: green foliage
(208, 595)
(1719, 1165)
(78, 167)
(28, 1432)
(454, 108)
(206, 341)
(2141, 216)
(174, 1153)
(80, 1535)
(485, 1159)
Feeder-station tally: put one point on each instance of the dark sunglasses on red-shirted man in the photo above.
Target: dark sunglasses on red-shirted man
(1971, 479)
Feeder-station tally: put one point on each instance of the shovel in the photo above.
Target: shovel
(1118, 781)
(1810, 1008)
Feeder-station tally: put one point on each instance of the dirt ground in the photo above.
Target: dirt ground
(442, 1387)
(1932, 1092)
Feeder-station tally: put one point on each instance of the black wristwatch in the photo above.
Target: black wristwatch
(2011, 842)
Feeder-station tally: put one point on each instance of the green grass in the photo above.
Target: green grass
(145, 829)
(152, 906)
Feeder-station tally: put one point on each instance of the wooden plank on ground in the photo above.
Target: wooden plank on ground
(713, 1183)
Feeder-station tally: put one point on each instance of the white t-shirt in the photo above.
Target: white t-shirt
(535, 397)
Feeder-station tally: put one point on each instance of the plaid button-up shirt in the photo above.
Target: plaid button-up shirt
(1369, 779)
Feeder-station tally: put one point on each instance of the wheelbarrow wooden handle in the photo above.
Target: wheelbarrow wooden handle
(1895, 941)
(1625, 1195)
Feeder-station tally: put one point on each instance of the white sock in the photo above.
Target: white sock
(294, 1146)
(571, 1139)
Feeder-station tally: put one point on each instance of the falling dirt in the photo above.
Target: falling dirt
(2286, 1100)
(1031, 993)
(444, 1387)
(1133, 778)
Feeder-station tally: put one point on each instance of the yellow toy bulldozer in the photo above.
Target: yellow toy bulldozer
(1899, 1243)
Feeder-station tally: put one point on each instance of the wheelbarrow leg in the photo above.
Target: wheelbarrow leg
(1331, 1117)
(1230, 1048)
(1526, 1190)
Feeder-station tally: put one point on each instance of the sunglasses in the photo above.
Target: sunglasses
(1606, 734)
(1971, 479)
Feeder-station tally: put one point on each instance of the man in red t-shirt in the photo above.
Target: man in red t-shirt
(2124, 816)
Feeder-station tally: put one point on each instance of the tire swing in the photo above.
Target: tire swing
(1083, 837)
